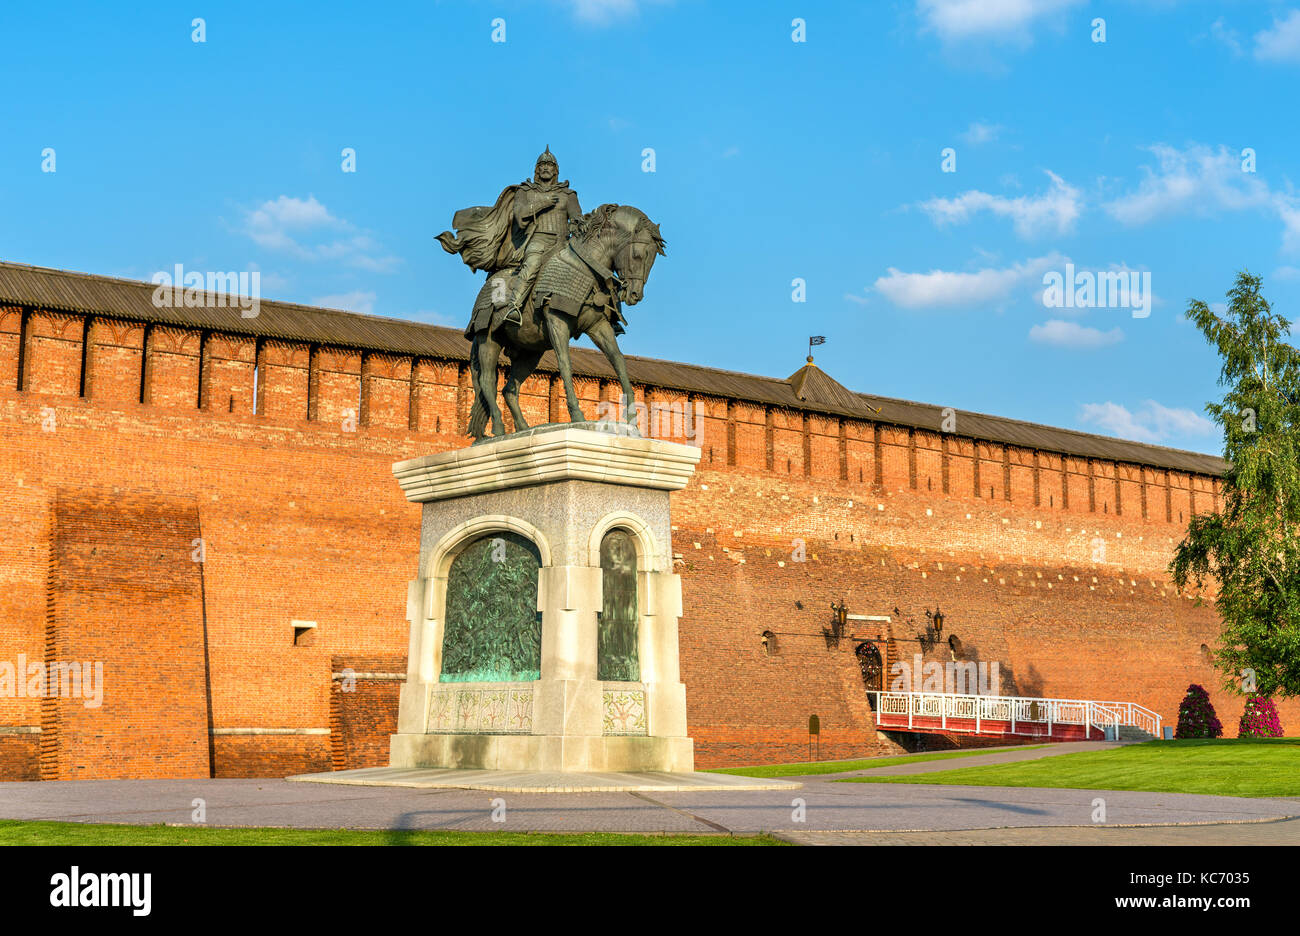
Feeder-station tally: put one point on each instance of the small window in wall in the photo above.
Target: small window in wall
(769, 643)
(304, 633)
(617, 654)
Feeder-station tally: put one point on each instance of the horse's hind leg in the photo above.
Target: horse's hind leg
(522, 363)
(488, 354)
(603, 337)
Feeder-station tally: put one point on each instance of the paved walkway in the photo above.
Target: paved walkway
(534, 781)
(820, 807)
(1007, 755)
(819, 812)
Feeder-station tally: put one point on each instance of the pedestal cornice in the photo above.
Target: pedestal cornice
(560, 452)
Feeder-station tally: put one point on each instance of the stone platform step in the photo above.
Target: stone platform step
(514, 781)
(1134, 733)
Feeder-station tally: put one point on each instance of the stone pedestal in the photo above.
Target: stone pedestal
(562, 488)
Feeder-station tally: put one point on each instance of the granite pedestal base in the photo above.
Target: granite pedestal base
(563, 488)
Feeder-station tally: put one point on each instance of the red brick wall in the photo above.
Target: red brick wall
(363, 709)
(270, 755)
(20, 756)
(301, 520)
(1017, 586)
(125, 595)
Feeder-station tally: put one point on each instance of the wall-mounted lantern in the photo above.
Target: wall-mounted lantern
(841, 619)
(933, 629)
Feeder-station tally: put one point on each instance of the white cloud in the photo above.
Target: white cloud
(855, 298)
(355, 301)
(604, 12)
(1052, 212)
(1152, 422)
(305, 228)
(1225, 35)
(1286, 273)
(1202, 180)
(987, 19)
(945, 288)
(980, 132)
(270, 223)
(1282, 42)
(271, 282)
(1198, 178)
(1062, 334)
(432, 317)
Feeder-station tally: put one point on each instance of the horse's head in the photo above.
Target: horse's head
(629, 240)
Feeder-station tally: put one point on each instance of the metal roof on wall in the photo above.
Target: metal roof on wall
(808, 389)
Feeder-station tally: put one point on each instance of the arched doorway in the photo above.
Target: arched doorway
(872, 667)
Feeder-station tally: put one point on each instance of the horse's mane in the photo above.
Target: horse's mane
(592, 225)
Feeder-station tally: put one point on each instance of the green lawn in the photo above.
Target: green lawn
(1231, 767)
(77, 833)
(810, 768)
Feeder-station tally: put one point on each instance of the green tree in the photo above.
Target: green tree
(1251, 546)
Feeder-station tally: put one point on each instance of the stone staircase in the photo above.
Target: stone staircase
(1134, 733)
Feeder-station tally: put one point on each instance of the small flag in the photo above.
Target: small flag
(816, 340)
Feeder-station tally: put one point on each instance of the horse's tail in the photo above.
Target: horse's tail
(478, 415)
(478, 418)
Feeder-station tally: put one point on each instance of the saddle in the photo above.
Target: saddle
(571, 280)
(567, 281)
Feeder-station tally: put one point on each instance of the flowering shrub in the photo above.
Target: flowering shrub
(1259, 720)
(1196, 718)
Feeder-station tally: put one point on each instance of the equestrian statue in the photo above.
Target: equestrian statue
(553, 275)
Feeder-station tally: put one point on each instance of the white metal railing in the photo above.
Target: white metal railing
(1023, 715)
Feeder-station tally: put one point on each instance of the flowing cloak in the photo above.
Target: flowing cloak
(486, 238)
(483, 235)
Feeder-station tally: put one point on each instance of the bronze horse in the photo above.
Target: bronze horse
(578, 292)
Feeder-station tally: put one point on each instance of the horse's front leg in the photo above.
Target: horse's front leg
(558, 333)
(602, 335)
(488, 354)
(522, 363)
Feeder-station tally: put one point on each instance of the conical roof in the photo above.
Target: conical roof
(814, 386)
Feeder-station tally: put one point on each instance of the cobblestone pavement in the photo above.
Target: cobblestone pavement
(821, 811)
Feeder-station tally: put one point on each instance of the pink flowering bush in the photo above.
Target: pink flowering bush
(1259, 720)
(1196, 718)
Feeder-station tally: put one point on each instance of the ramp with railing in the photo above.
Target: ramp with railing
(1013, 716)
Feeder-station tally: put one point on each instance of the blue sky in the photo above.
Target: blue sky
(774, 160)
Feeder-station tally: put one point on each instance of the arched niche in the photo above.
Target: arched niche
(618, 653)
(649, 558)
(462, 550)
